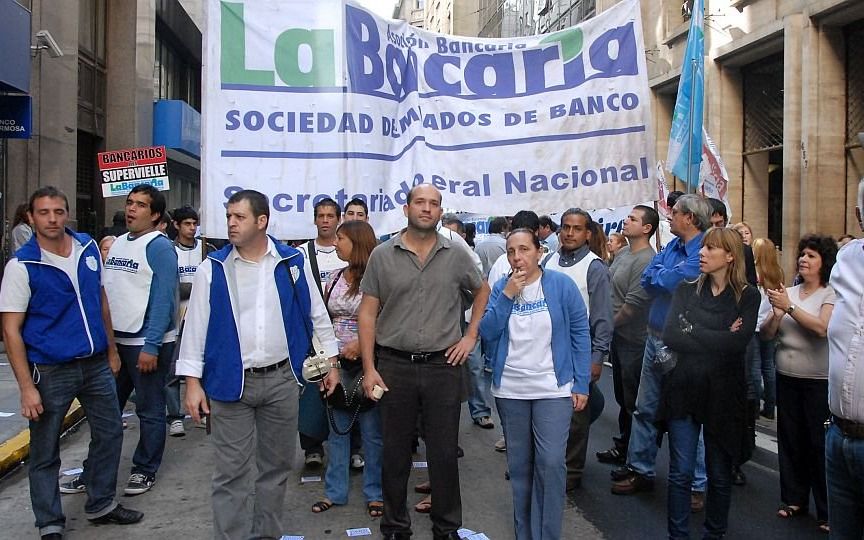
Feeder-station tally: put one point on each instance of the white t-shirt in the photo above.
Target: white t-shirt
(500, 269)
(328, 261)
(528, 369)
(15, 290)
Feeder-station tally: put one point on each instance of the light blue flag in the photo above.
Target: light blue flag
(685, 139)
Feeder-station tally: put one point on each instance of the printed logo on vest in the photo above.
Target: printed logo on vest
(295, 273)
(121, 263)
(91, 263)
(188, 270)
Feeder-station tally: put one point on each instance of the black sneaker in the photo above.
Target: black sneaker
(119, 516)
(52, 536)
(139, 483)
(613, 456)
(75, 485)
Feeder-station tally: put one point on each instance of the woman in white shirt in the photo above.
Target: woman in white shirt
(799, 317)
(535, 330)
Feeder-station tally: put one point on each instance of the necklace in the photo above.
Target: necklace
(522, 299)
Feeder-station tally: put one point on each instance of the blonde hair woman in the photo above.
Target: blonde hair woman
(770, 276)
(709, 325)
(746, 232)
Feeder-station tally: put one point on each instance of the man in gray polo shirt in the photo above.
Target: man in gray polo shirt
(630, 305)
(409, 320)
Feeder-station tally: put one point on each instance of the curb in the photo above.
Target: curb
(16, 449)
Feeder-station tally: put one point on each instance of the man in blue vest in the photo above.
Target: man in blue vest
(141, 282)
(253, 311)
(57, 332)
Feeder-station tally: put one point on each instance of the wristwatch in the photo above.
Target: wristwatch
(790, 309)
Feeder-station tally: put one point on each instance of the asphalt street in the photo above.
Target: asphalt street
(179, 504)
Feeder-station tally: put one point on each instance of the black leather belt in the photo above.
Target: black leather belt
(415, 357)
(266, 369)
(851, 429)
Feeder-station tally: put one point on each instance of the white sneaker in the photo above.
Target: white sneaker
(203, 423)
(357, 461)
(176, 429)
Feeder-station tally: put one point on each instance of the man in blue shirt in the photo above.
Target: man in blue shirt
(141, 280)
(679, 261)
(57, 332)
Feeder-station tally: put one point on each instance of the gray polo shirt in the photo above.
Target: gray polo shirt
(421, 306)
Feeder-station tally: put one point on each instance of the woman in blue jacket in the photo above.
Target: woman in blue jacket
(535, 330)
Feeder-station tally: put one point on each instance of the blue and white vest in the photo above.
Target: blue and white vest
(223, 378)
(63, 324)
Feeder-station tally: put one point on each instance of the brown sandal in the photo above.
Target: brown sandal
(321, 506)
(375, 509)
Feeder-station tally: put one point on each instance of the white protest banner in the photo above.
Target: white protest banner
(311, 99)
(713, 178)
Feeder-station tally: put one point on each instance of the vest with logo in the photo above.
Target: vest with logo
(128, 277)
(578, 272)
(223, 377)
(63, 322)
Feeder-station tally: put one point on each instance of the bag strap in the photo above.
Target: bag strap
(328, 290)
(313, 262)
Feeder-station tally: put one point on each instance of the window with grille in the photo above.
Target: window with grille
(763, 104)
(88, 201)
(854, 82)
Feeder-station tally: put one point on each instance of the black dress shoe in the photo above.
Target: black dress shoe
(451, 536)
(52, 536)
(738, 477)
(397, 536)
(620, 473)
(119, 516)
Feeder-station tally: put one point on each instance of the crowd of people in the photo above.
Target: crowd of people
(703, 336)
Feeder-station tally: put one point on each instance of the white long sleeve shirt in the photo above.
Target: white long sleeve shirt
(258, 314)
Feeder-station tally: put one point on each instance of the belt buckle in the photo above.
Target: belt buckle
(419, 358)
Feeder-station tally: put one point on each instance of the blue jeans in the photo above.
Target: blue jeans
(642, 450)
(478, 398)
(844, 468)
(767, 350)
(684, 436)
(149, 404)
(172, 400)
(90, 380)
(536, 433)
(337, 476)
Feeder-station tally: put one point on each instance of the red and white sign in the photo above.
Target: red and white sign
(122, 170)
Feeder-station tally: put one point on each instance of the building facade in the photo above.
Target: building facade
(121, 63)
(783, 102)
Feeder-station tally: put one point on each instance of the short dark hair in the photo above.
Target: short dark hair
(826, 247)
(672, 198)
(649, 217)
(257, 202)
(47, 191)
(357, 201)
(451, 219)
(157, 199)
(577, 212)
(525, 219)
(498, 225)
(327, 201)
(183, 213)
(717, 207)
(546, 221)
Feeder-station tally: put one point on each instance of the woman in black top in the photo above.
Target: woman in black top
(709, 325)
